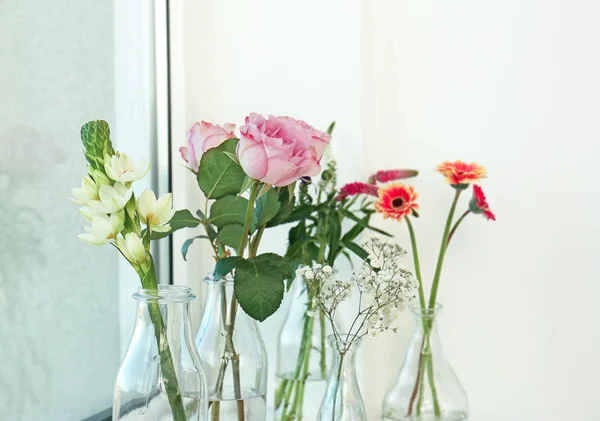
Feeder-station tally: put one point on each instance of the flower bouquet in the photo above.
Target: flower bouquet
(426, 387)
(327, 228)
(248, 183)
(130, 224)
(384, 288)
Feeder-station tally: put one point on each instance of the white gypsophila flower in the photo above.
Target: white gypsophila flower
(121, 168)
(112, 198)
(387, 283)
(103, 229)
(132, 248)
(87, 192)
(155, 213)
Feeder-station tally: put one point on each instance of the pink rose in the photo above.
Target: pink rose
(280, 150)
(202, 137)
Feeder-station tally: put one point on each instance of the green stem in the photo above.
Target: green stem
(303, 355)
(431, 378)
(413, 243)
(443, 247)
(229, 344)
(248, 218)
(167, 366)
(463, 216)
(323, 348)
(337, 385)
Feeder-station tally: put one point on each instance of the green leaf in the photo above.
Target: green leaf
(288, 214)
(230, 210)
(231, 235)
(263, 189)
(187, 243)
(356, 230)
(335, 236)
(233, 157)
(331, 127)
(355, 218)
(291, 189)
(267, 207)
(182, 219)
(356, 249)
(248, 182)
(259, 285)
(218, 175)
(225, 266)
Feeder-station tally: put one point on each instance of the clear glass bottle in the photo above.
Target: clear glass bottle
(303, 358)
(233, 356)
(342, 400)
(161, 378)
(426, 387)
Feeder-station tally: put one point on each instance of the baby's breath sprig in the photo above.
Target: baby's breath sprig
(384, 286)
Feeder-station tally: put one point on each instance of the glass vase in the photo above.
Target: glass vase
(302, 358)
(426, 387)
(161, 378)
(233, 356)
(342, 400)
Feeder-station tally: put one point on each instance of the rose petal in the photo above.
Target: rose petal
(253, 157)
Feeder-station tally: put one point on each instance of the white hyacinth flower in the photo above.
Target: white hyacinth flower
(121, 168)
(103, 228)
(87, 192)
(155, 213)
(132, 248)
(112, 198)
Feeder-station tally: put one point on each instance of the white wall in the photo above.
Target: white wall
(513, 85)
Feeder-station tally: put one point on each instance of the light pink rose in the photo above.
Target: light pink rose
(202, 137)
(280, 150)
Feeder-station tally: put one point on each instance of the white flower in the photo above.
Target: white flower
(88, 212)
(132, 248)
(112, 198)
(87, 192)
(327, 270)
(99, 177)
(103, 228)
(155, 213)
(121, 168)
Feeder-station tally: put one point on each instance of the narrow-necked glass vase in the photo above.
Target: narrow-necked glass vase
(303, 358)
(426, 388)
(161, 378)
(342, 400)
(233, 356)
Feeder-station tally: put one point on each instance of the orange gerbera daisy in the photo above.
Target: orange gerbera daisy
(459, 173)
(396, 201)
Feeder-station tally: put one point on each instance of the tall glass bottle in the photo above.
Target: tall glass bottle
(233, 356)
(426, 387)
(342, 400)
(161, 349)
(303, 359)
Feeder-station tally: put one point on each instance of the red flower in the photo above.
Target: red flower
(352, 189)
(479, 204)
(396, 201)
(385, 176)
(460, 173)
